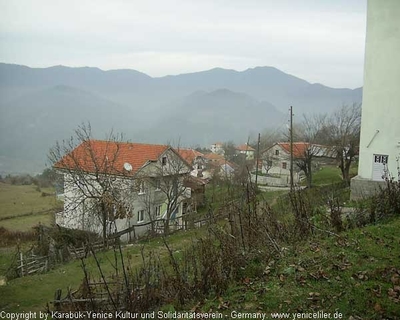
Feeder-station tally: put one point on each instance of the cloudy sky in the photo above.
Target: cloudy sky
(317, 40)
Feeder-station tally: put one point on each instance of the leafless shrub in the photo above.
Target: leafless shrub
(335, 215)
(9, 237)
(387, 202)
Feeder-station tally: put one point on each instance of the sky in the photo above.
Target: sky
(321, 41)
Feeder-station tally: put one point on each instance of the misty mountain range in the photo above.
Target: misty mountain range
(39, 106)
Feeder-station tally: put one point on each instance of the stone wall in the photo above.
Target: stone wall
(363, 188)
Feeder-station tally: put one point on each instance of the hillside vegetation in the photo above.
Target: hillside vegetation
(260, 252)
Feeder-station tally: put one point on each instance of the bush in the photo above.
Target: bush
(9, 238)
(387, 202)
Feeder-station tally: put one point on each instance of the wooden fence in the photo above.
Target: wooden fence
(29, 263)
(85, 250)
(91, 296)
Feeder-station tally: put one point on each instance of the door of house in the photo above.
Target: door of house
(379, 167)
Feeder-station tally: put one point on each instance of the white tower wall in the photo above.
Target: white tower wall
(380, 122)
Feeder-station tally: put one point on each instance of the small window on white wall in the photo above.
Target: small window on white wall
(140, 216)
(379, 166)
(142, 187)
(157, 184)
(158, 211)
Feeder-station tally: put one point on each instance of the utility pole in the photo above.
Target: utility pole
(291, 149)
(258, 156)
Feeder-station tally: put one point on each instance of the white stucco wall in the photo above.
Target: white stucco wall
(381, 93)
(77, 213)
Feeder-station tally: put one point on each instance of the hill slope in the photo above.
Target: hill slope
(223, 115)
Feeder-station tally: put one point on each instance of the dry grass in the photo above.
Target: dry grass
(24, 206)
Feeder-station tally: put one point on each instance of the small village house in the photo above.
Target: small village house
(217, 165)
(217, 147)
(195, 158)
(247, 150)
(275, 160)
(133, 176)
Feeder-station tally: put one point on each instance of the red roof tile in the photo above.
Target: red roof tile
(110, 157)
(299, 148)
(189, 154)
(214, 156)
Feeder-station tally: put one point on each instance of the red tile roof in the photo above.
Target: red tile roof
(110, 157)
(299, 148)
(189, 154)
(214, 156)
(245, 147)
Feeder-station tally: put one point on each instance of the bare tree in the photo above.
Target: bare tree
(309, 132)
(269, 137)
(229, 151)
(266, 161)
(344, 133)
(95, 189)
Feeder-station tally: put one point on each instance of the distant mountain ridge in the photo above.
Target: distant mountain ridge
(41, 105)
(263, 83)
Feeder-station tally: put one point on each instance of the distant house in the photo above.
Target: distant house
(136, 172)
(246, 150)
(213, 157)
(276, 159)
(217, 148)
(195, 181)
(218, 165)
(195, 158)
(197, 187)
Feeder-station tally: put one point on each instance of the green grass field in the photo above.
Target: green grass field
(22, 207)
(32, 293)
(326, 175)
(330, 175)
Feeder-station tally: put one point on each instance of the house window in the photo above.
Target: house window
(379, 167)
(284, 165)
(140, 216)
(269, 163)
(157, 210)
(277, 152)
(157, 184)
(142, 187)
(164, 161)
(184, 208)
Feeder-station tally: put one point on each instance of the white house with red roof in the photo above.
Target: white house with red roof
(217, 147)
(246, 150)
(134, 177)
(216, 164)
(195, 158)
(276, 159)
